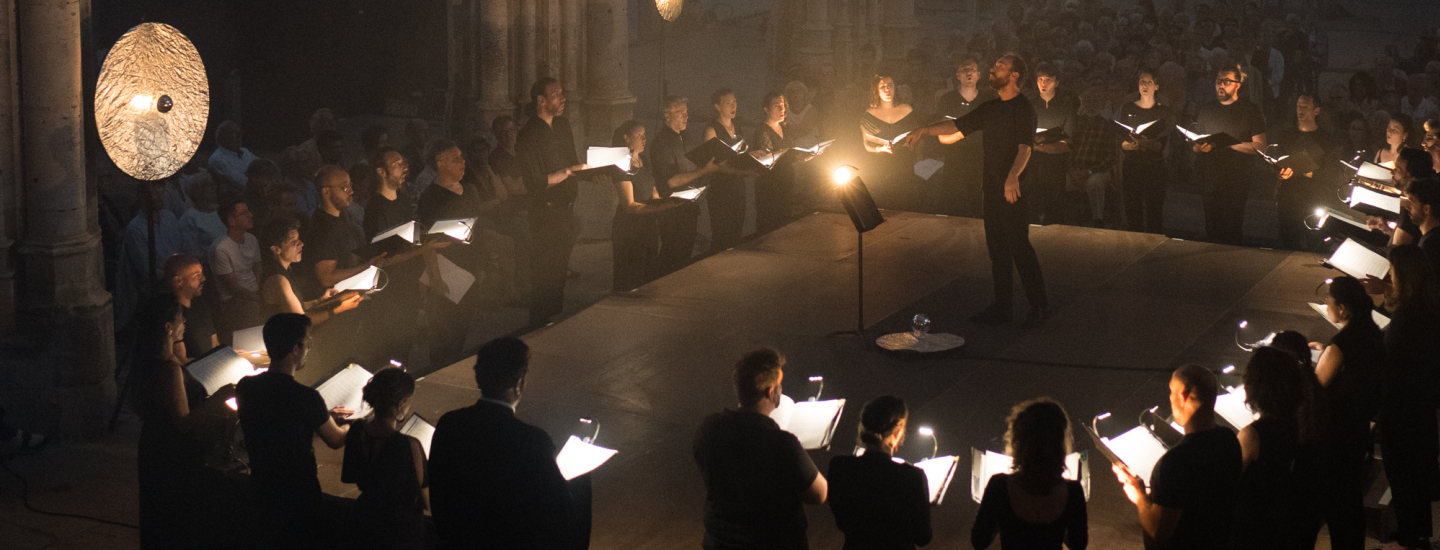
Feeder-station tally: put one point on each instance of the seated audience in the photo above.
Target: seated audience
(235, 260)
(1034, 506)
(880, 503)
(231, 161)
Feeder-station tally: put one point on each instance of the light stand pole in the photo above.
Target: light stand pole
(861, 207)
(669, 12)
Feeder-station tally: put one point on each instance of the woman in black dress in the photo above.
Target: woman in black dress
(1349, 368)
(634, 232)
(774, 188)
(174, 410)
(879, 503)
(889, 171)
(1408, 433)
(280, 288)
(388, 466)
(1144, 175)
(725, 199)
(1276, 505)
(1034, 507)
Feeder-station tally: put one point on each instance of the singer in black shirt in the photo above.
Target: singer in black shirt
(546, 152)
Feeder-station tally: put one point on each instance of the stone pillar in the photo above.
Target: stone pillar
(528, 47)
(10, 176)
(64, 306)
(899, 33)
(494, 57)
(570, 72)
(608, 101)
(844, 40)
(550, 61)
(814, 50)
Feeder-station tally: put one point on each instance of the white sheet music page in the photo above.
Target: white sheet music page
(1231, 406)
(346, 389)
(459, 229)
(405, 231)
(251, 339)
(939, 472)
(458, 280)
(418, 428)
(814, 422)
(927, 168)
(991, 463)
(688, 194)
(1138, 449)
(1359, 194)
(364, 280)
(596, 157)
(1370, 170)
(221, 367)
(578, 458)
(1358, 261)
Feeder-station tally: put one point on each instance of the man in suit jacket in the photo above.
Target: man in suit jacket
(493, 479)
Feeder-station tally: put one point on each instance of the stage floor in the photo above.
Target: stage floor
(649, 365)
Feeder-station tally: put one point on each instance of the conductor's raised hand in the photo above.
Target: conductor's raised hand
(1012, 189)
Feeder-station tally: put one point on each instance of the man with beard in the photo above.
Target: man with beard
(1009, 125)
(396, 311)
(959, 187)
(1226, 170)
(545, 150)
(330, 240)
(1297, 193)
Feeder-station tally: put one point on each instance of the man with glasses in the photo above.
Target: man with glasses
(330, 240)
(1226, 170)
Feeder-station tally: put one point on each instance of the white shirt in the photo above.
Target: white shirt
(198, 231)
(238, 259)
(1422, 112)
(232, 165)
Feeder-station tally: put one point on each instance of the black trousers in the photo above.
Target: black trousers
(1344, 490)
(392, 318)
(1227, 188)
(773, 204)
(635, 249)
(677, 237)
(553, 229)
(1007, 238)
(1044, 178)
(1143, 185)
(725, 201)
(1295, 200)
(1410, 448)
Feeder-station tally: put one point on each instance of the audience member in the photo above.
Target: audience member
(1034, 506)
(150, 237)
(185, 278)
(201, 226)
(1093, 156)
(388, 467)
(878, 502)
(757, 476)
(230, 161)
(235, 259)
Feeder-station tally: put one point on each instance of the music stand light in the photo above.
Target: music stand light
(858, 203)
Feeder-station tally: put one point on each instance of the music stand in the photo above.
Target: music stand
(861, 207)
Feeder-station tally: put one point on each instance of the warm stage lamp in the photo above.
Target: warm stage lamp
(669, 9)
(843, 174)
(152, 101)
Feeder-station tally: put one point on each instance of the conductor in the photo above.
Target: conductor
(1009, 125)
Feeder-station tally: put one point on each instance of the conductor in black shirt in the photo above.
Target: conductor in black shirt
(493, 478)
(546, 153)
(1192, 501)
(1008, 123)
(1226, 170)
(757, 476)
(879, 503)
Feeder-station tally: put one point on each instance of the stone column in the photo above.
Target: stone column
(844, 40)
(528, 49)
(608, 101)
(571, 71)
(899, 33)
(64, 306)
(10, 176)
(815, 51)
(494, 56)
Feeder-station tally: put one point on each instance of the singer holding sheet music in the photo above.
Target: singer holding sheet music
(1191, 502)
(757, 477)
(877, 502)
(450, 198)
(1296, 195)
(546, 152)
(1226, 170)
(494, 482)
(281, 289)
(634, 234)
(1034, 507)
(889, 172)
(1046, 171)
(280, 419)
(175, 412)
(1144, 175)
(396, 311)
(1009, 126)
(673, 171)
(725, 199)
(389, 468)
(775, 188)
(958, 191)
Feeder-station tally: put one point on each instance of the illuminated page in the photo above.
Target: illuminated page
(1361, 195)
(1357, 261)
(364, 280)
(346, 389)
(688, 194)
(418, 428)
(220, 367)
(814, 422)
(459, 229)
(939, 472)
(1138, 449)
(1232, 408)
(578, 458)
(405, 231)
(989, 463)
(251, 339)
(619, 157)
(457, 279)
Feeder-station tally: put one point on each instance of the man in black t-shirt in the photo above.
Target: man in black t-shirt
(959, 181)
(1191, 502)
(674, 171)
(186, 278)
(546, 152)
(1009, 125)
(1296, 195)
(757, 476)
(1424, 204)
(1226, 170)
(329, 258)
(280, 417)
(391, 328)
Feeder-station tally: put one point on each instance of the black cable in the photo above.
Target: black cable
(25, 497)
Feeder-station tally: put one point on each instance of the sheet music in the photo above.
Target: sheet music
(1332, 214)
(251, 339)
(364, 280)
(596, 157)
(812, 422)
(927, 168)
(817, 149)
(458, 280)
(418, 428)
(1355, 260)
(346, 389)
(1370, 170)
(1138, 449)
(1231, 406)
(405, 231)
(1380, 319)
(1359, 194)
(221, 367)
(939, 472)
(1191, 136)
(688, 194)
(986, 464)
(578, 458)
(459, 230)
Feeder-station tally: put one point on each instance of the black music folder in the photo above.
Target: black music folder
(1217, 140)
(715, 149)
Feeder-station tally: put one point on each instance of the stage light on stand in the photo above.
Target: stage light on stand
(934, 443)
(843, 175)
(858, 203)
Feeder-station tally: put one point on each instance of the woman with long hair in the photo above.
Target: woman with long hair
(389, 467)
(889, 169)
(1034, 506)
(1275, 506)
(725, 199)
(634, 232)
(1408, 432)
(175, 410)
(879, 503)
(775, 188)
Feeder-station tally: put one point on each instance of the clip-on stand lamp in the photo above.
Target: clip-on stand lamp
(863, 213)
